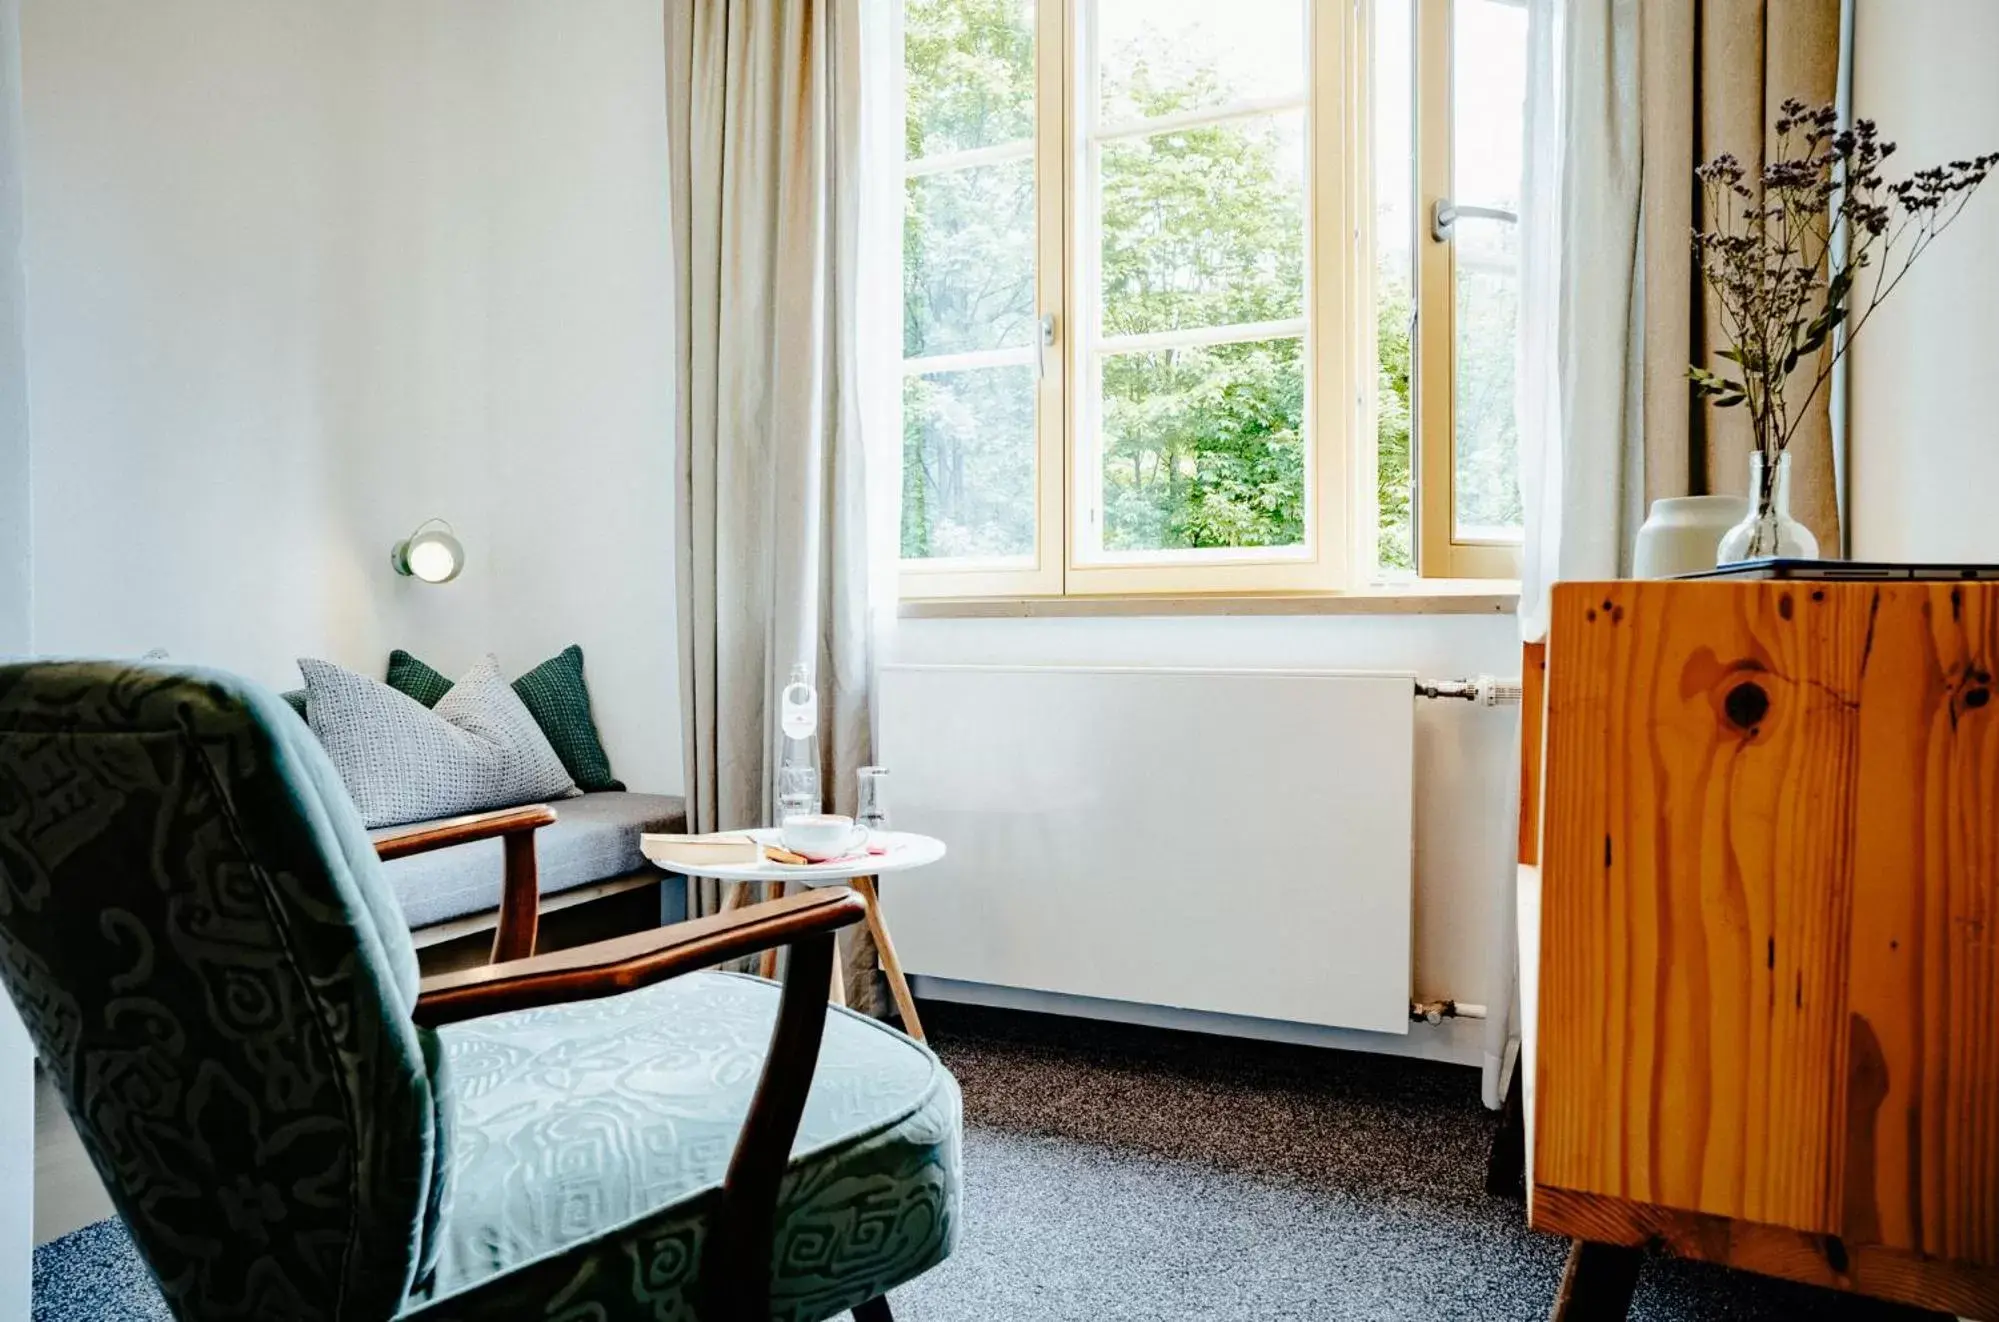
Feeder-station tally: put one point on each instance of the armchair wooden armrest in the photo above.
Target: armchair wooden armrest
(738, 1262)
(623, 963)
(520, 896)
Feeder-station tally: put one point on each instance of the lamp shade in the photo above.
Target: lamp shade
(431, 554)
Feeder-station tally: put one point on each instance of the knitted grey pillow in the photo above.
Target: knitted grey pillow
(404, 762)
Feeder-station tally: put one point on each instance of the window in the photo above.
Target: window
(1471, 62)
(1173, 316)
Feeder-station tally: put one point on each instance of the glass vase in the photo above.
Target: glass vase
(1769, 532)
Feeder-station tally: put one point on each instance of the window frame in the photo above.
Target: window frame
(1324, 562)
(1339, 339)
(1440, 552)
(1043, 577)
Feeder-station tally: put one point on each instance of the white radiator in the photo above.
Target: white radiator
(1235, 841)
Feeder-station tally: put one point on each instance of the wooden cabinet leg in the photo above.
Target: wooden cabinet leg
(1506, 1166)
(898, 985)
(1598, 1282)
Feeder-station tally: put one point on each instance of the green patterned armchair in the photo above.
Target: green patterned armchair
(294, 1126)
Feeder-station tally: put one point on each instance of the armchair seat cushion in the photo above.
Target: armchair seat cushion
(595, 838)
(589, 1143)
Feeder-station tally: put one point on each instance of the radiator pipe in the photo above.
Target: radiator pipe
(1435, 1012)
(1502, 1029)
(1501, 1040)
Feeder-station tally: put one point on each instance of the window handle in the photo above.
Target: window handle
(1445, 214)
(1047, 343)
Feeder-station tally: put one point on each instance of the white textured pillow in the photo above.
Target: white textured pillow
(404, 762)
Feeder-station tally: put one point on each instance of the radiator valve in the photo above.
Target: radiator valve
(1486, 690)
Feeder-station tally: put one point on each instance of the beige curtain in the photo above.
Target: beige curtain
(1713, 73)
(765, 134)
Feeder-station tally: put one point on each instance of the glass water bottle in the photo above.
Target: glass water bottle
(798, 792)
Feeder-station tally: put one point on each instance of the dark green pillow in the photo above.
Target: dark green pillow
(296, 697)
(554, 694)
(412, 678)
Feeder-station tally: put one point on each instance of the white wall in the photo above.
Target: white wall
(17, 1057)
(1467, 759)
(300, 276)
(16, 605)
(1924, 410)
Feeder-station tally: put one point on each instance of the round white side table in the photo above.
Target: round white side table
(901, 851)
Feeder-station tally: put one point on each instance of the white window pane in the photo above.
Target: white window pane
(1163, 57)
(1202, 448)
(969, 269)
(1489, 92)
(1203, 226)
(1392, 90)
(969, 74)
(968, 464)
(1488, 101)
(968, 260)
(1487, 481)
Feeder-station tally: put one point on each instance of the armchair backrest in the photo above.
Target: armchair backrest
(196, 932)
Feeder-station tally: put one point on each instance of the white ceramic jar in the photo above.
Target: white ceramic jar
(1682, 532)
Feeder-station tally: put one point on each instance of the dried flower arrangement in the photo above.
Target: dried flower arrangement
(1768, 260)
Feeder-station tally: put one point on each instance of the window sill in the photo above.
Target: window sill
(1430, 597)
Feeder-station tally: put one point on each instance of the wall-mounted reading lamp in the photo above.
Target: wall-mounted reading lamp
(432, 554)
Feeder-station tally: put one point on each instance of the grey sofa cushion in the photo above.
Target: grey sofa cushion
(595, 838)
(404, 762)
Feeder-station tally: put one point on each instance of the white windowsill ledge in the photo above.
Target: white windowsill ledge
(1430, 597)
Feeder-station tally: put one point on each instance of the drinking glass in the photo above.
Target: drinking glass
(871, 805)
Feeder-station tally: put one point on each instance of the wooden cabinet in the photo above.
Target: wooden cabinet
(1768, 994)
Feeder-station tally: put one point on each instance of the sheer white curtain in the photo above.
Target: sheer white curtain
(1580, 343)
(1581, 313)
(1625, 98)
(878, 309)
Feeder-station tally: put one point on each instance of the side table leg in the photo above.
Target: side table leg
(837, 994)
(898, 985)
(736, 894)
(772, 890)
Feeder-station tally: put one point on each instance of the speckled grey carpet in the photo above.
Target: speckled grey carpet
(1117, 1173)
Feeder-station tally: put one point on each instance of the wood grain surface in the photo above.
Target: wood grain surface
(1770, 909)
(1533, 708)
(1922, 1143)
(1967, 1290)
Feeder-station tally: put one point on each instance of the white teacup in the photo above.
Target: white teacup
(818, 837)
